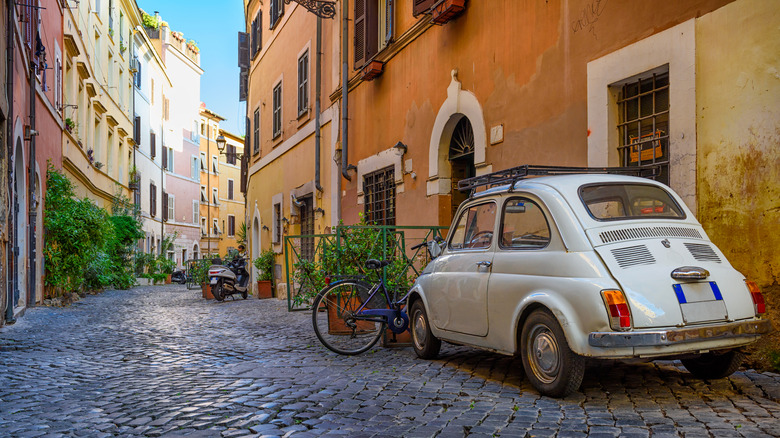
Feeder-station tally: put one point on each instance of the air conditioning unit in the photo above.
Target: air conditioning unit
(134, 65)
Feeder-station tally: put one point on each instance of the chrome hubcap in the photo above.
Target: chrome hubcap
(543, 354)
(419, 330)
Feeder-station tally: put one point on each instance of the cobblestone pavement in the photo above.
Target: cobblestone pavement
(161, 361)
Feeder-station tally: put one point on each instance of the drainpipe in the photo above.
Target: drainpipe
(31, 203)
(9, 87)
(345, 167)
(318, 90)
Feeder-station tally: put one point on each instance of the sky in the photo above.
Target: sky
(214, 26)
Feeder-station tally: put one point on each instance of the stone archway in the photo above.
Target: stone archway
(459, 105)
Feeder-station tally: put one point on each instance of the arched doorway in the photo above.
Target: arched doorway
(20, 219)
(461, 158)
(195, 251)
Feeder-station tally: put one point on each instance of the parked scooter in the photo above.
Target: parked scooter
(178, 276)
(228, 279)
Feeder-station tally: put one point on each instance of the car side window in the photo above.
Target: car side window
(474, 228)
(523, 225)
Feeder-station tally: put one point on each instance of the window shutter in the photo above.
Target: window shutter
(137, 130)
(164, 158)
(244, 170)
(422, 6)
(360, 33)
(230, 189)
(164, 206)
(152, 144)
(243, 84)
(152, 199)
(259, 33)
(366, 31)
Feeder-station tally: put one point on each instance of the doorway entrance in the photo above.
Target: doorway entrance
(461, 158)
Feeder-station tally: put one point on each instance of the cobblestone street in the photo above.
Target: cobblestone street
(162, 361)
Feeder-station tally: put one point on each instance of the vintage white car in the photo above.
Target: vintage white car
(567, 267)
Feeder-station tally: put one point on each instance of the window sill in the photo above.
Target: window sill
(304, 117)
(277, 140)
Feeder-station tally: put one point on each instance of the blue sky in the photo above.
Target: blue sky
(214, 26)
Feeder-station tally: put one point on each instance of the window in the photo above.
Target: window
(152, 199)
(166, 108)
(214, 164)
(165, 215)
(195, 171)
(203, 197)
(58, 82)
(171, 207)
(523, 225)
(195, 211)
(203, 228)
(643, 123)
(203, 162)
(215, 195)
(231, 225)
(256, 139)
(303, 84)
(137, 77)
(277, 10)
(167, 158)
(230, 154)
(202, 128)
(152, 144)
(475, 227)
(373, 29)
(277, 102)
(629, 201)
(257, 34)
(230, 189)
(379, 191)
(215, 227)
(277, 224)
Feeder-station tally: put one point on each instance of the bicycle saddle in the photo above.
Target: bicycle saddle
(376, 264)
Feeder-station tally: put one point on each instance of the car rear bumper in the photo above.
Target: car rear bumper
(653, 338)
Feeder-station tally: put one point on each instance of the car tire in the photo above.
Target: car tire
(550, 365)
(711, 366)
(425, 344)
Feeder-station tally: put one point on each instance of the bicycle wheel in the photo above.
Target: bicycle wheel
(337, 325)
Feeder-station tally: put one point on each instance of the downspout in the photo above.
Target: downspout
(344, 90)
(31, 282)
(9, 88)
(318, 90)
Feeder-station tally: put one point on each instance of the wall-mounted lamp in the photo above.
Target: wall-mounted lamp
(319, 210)
(285, 220)
(29, 133)
(265, 227)
(400, 149)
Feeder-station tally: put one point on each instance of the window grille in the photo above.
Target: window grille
(277, 101)
(643, 111)
(277, 237)
(306, 212)
(379, 192)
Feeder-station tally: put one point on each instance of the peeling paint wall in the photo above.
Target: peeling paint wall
(738, 133)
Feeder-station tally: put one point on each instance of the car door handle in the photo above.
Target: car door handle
(485, 263)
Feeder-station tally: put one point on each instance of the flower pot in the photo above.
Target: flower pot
(168, 279)
(265, 289)
(336, 323)
(206, 290)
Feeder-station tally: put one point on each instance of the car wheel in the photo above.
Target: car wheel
(425, 344)
(714, 365)
(552, 368)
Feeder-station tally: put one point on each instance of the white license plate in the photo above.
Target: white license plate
(214, 280)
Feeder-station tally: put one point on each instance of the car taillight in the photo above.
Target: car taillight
(617, 307)
(757, 296)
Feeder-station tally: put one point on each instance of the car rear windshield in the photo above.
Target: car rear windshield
(608, 202)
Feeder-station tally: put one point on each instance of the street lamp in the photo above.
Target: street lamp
(222, 143)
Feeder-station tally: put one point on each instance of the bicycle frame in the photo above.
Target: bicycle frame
(397, 320)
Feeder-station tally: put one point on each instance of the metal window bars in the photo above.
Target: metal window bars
(514, 174)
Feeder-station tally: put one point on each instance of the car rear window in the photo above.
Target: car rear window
(606, 202)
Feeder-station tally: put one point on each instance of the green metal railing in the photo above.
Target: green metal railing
(344, 253)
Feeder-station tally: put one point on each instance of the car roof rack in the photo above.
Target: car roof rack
(512, 175)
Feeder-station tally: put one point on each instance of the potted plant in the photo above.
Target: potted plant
(135, 178)
(199, 272)
(265, 265)
(69, 124)
(166, 267)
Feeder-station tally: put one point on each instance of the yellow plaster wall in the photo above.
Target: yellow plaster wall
(738, 129)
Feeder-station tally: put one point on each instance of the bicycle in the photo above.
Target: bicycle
(350, 315)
